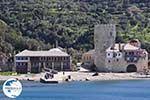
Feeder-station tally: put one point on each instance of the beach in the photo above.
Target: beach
(81, 76)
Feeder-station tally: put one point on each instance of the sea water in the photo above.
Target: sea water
(90, 90)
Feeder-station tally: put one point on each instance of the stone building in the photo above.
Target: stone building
(122, 57)
(88, 60)
(104, 37)
(35, 61)
(88, 56)
(127, 57)
(111, 57)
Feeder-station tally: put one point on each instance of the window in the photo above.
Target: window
(18, 58)
(117, 60)
(111, 33)
(128, 58)
(47, 58)
(108, 61)
(135, 58)
(26, 58)
(114, 54)
(108, 55)
(90, 57)
(119, 55)
(87, 57)
(131, 53)
(42, 58)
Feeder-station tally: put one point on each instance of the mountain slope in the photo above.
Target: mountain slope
(40, 23)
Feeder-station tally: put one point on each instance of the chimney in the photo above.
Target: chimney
(56, 44)
(120, 46)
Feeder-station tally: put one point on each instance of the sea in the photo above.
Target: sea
(89, 90)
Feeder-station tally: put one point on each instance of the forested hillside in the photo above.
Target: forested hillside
(37, 24)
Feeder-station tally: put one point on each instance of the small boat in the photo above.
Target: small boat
(30, 79)
(48, 81)
(50, 70)
(48, 78)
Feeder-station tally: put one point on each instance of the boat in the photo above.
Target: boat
(30, 79)
(48, 77)
(48, 81)
(50, 70)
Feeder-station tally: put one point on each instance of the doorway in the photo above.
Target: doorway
(131, 68)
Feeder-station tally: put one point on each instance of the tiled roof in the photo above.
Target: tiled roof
(130, 47)
(90, 52)
(123, 47)
(51, 52)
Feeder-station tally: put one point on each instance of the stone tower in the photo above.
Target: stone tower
(104, 37)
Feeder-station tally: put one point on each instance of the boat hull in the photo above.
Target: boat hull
(48, 81)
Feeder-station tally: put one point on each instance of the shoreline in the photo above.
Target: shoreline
(82, 76)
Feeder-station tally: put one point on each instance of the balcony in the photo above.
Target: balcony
(133, 59)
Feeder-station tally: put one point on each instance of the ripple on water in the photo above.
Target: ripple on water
(96, 90)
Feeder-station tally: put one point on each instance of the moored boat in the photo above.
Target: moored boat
(60, 77)
(48, 81)
(48, 77)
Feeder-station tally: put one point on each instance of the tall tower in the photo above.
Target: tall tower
(104, 37)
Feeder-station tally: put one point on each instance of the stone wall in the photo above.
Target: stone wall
(104, 37)
(121, 65)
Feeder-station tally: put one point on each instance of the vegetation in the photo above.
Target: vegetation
(8, 73)
(38, 24)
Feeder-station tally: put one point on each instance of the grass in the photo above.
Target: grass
(8, 73)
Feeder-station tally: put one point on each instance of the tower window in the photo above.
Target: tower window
(111, 33)
(117, 60)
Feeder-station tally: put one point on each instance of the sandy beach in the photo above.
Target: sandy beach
(82, 76)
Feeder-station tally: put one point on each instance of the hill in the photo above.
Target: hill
(38, 24)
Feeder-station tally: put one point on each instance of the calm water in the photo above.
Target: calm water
(98, 90)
